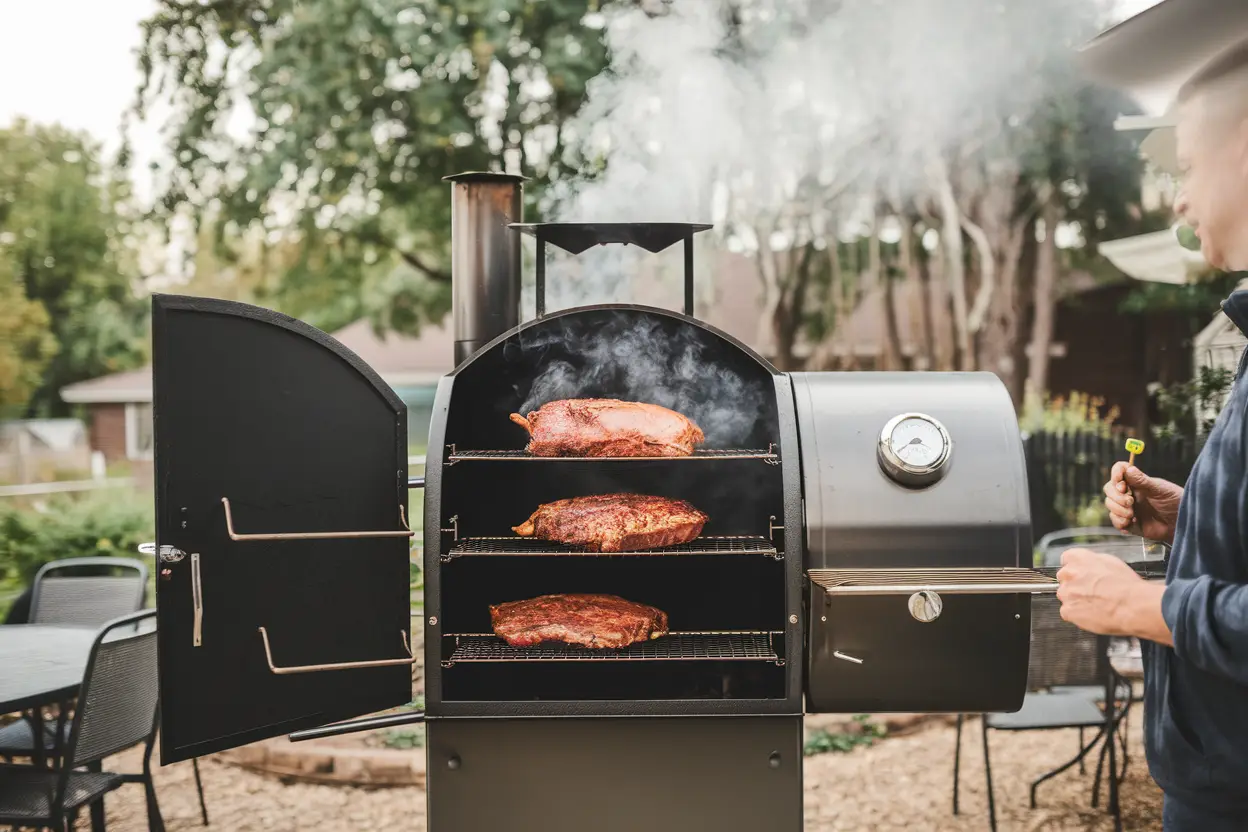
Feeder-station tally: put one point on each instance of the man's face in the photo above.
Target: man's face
(1213, 160)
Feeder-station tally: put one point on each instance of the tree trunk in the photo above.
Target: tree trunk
(1044, 301)
(955, 265)
(921, 269)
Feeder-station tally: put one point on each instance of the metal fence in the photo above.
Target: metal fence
(1067, 472)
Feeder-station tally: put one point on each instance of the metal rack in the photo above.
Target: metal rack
(769, 456)
(527, 546)
(746, 645)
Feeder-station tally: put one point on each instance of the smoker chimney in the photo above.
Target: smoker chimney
(485, 258)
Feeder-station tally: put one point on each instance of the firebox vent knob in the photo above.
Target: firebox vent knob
(925, 606)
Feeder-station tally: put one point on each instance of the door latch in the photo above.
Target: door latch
(166, 553)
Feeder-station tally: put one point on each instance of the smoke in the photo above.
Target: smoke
(642, 359)
(735, 111)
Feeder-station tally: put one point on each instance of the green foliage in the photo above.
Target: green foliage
(865, 735)
(62, 239)
(1190, 408)
(103, 523)
(1076, 413)
(405, 739)
(361, 110)
(1197, 299)
(26, 343)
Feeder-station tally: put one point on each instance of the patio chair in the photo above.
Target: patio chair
(60, 594)
(61, 597)
(1067, 673)
(117, 710)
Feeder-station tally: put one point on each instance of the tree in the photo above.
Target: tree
(63, 239)
(360, 109)
(26, 343)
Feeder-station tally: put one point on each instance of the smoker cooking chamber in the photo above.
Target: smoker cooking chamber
(733, 598)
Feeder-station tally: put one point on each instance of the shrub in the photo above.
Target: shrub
(102, 523)
(1074, 413)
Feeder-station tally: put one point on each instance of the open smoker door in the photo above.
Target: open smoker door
(281, 524)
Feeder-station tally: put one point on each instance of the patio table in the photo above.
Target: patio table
(41, 664)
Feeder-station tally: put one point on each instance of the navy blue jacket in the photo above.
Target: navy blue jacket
(1196, 694)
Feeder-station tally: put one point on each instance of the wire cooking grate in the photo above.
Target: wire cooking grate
(719, 646)
(769, 456)
(519, 546)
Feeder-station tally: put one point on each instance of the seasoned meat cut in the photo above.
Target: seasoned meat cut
(615, 522)
(608, 427)
(596, 621)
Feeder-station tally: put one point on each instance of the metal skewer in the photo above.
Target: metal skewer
(1133, 447)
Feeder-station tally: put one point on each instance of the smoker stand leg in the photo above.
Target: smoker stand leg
(1082, 769)
(957, 757)
(992, 808)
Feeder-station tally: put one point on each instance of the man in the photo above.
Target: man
(1194, 626)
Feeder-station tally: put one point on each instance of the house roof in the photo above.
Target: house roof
(400, 360)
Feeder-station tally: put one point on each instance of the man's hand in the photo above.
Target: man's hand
(1155, 502)
(1103, 595)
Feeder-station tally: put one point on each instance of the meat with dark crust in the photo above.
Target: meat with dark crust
(608, 427)
(594, 621)
(615, 522)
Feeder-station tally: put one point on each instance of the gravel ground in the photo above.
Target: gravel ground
(902, 783)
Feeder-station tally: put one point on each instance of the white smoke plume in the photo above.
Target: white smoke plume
(726, 111)
(638, 360)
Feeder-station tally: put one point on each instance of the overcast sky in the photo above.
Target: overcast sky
(73, 62)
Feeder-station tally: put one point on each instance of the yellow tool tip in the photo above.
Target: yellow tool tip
(1135, 446)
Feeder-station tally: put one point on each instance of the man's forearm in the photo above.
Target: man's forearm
(1140, 614)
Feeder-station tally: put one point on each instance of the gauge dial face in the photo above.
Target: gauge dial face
(917, 442)
(914, 449)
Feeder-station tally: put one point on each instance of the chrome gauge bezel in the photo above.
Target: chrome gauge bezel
(904, 473)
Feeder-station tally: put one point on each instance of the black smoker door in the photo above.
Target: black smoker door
(274, 444)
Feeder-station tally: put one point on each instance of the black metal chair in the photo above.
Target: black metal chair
(1068, 673)
(63, 594)
(111, 587)
(117, 710)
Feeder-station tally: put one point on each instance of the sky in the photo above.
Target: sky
(73, 62)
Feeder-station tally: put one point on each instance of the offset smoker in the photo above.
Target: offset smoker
(837, 572)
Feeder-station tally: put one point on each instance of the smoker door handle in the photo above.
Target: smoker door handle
(351, 726)
(415, 482)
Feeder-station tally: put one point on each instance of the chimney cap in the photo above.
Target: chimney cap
(484, 176)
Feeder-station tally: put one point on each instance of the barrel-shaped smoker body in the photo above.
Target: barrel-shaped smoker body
(962, 534)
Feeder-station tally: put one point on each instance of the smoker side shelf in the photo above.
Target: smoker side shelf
(964, 581)
(768, 456)
(530, 547)
(679, 646)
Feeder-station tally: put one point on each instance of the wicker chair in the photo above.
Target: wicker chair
(116, 711)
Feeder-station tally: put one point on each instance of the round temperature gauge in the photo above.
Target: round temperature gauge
(914, 449)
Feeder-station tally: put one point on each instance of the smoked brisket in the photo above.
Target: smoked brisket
(608, 427)
(595, 621)
(615, 522)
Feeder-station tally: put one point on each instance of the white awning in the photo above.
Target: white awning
(1155, 258)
